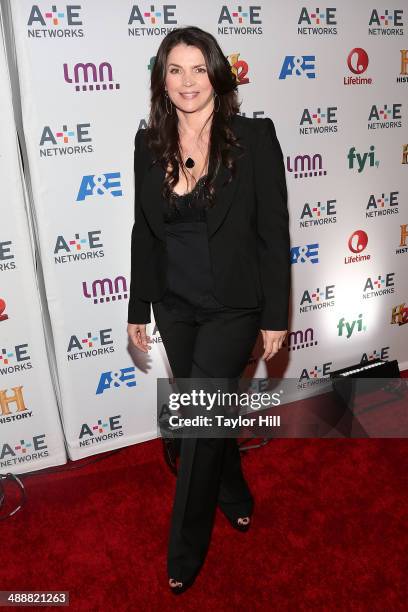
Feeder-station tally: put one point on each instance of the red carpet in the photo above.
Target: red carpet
(329, 532)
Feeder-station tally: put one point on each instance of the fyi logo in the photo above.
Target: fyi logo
(346, 328)
(360, 160)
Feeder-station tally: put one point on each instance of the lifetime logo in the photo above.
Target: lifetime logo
(357, 62)
(90, 77)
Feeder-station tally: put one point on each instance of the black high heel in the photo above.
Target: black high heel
(186, 584)
(238, 526)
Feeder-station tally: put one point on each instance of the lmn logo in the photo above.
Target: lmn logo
(103, 290)
(90, 77)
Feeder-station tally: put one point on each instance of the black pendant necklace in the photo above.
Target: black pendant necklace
(190, 163)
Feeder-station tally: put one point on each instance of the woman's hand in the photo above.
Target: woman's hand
(137, 334)
(272, 342)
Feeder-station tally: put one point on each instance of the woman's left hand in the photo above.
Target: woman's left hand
(272, 342)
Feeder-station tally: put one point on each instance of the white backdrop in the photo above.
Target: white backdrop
(30, 431)
(345, 148)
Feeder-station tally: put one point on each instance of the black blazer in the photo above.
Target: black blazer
(248, 229)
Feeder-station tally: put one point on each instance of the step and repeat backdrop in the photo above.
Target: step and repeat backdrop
(333, 79)
(31, 436)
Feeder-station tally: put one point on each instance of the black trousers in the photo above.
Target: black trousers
(205, 342)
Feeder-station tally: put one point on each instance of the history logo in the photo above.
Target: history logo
(402, 247)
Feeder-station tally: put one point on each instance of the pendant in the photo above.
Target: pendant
(190, 163)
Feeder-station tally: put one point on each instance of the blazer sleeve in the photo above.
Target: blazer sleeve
(272, 227)
(138, 309)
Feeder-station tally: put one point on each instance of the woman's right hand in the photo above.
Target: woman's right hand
(137, 334)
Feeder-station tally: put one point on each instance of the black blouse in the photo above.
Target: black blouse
(189, 274)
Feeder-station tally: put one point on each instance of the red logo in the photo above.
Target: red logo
(357, 60)
(358, 241)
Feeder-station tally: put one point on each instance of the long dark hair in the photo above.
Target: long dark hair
(162, 131)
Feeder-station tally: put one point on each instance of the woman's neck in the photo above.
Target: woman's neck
(190, 124)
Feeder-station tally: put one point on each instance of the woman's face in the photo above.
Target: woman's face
(187, 82)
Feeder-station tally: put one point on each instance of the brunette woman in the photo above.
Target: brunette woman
(210, 254)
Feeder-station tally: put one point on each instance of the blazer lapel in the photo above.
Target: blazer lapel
(153, 204)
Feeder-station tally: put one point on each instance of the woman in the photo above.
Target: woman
(210, 253)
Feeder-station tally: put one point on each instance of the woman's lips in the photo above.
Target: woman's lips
(189, 95)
